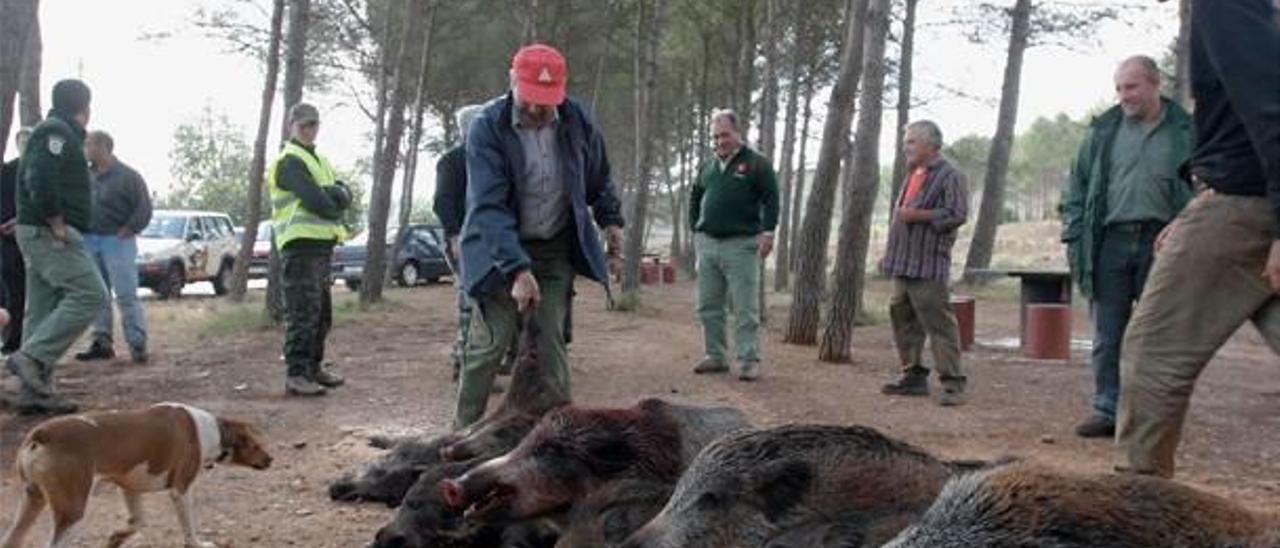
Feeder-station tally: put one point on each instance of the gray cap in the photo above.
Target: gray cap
(302, 113)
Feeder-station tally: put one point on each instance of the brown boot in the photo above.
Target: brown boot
(302, 386)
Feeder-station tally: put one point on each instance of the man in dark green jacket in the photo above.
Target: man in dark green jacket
(734, 208)
(1124, 188)
(64, 289)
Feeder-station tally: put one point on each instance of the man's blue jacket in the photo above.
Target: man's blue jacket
(491, 251)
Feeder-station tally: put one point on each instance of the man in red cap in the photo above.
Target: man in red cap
(538, 178)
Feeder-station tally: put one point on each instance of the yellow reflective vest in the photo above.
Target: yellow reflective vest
(289, 219)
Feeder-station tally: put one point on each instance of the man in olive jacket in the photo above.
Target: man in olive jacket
(1124, 188)
(64, 289)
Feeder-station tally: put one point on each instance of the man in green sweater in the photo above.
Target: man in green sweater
(64, 289)
(734, 209)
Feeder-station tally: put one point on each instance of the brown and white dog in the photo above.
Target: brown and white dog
(160, 448)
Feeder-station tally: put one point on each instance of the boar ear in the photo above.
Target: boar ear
(782, 486)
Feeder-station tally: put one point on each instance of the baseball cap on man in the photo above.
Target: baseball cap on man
(302, 113)
(540, 75)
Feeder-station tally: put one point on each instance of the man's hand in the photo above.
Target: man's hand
(613, 240)
(1273, 267)
(1165, 233)
(453, 248)
(764, 243)
(59, 228)
(9, 227)
(124, 233)
(525, 291)
(912, 215)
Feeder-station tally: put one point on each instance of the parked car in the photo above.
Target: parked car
(421, 257)
(181, 247)
(260, 261)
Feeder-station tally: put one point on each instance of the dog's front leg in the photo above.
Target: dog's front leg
(182, 505)
(132, 501)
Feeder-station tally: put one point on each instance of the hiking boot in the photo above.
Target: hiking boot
(1096, 427)
(97, 351)
(30, 372)
(911, 384)
(710, 365)
(302, 386)
(140, 358)
(951, 397)
(749, 371)
(328, 379)
(52, 404)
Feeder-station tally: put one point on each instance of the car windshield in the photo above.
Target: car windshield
(362, 239)
(264, 232)
(165, 227)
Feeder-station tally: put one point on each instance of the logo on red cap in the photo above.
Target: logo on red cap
(540, 75)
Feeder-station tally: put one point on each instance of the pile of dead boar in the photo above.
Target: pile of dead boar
(539, 471)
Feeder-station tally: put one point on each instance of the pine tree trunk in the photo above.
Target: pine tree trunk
(257, 167)
(17, 19)
(411, 152)
(781, 260)
(860, 198)
(993, 187)
(401, 83)
(1182, 56)
(811, 260)
(798, 180)
(29, 111)
(295, 60)
(905, 62)
(638, 219)
(745, 83)
(295, 76)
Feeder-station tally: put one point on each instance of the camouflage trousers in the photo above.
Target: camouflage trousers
(308, 309)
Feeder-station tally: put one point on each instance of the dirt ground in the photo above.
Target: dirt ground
(211, 354)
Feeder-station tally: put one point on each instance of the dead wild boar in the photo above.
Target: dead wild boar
(799, 486)
(575, 450)
(390, 476)
(425, 521)
(1028, 505)
(611, 513)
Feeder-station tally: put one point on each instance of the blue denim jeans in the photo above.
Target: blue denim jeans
(1124, 259)
(117, 261)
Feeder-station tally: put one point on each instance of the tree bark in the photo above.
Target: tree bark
(904, 97)
(860, 198)
(781, 260)
(993, 187)
(17, 19)
(412, 151)
(295, 76)
(747, 64)
(1182, 55)
(798, 180)
(253, 205)
(638, 219)
(295, 61)
(29, 111)
(384, 176)
(769, 97)
(814, 234)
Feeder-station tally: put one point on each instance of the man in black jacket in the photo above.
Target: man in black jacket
(450, 206)
(12, 267)
(1219, 261)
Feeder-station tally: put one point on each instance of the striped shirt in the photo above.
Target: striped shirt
(923, 250)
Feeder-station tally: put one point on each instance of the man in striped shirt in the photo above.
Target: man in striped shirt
(933, 205)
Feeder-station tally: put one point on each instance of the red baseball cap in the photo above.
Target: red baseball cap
(540, 75)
